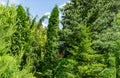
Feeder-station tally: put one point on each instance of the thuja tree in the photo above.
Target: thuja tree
(10, 68)
(7, 27)
(9, 65)
(21, 38)
(117, 54)
(19, 35)
(52, 42)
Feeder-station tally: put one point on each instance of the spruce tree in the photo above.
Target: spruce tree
(115, 37)
(52, 42)
(98, 15)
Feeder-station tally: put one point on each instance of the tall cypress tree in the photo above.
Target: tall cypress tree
(21, 38)
(52, 41)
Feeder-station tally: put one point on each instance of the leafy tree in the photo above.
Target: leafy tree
(38, 42)
(116, 44)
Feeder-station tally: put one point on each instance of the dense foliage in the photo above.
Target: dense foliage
(86, 47)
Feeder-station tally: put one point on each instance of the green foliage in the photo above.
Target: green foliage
(52, 35)
(21, 37)
(99, 16)
(52, 42)
(38, 42)
(117, 44)
(65, 68)
(9, 68)
(86, 47)
(9, 65)
(7, 27)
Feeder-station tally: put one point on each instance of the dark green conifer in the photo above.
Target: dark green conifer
(52, 42)
(98, 15)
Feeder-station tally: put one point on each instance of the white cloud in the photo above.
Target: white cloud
(44, 24)
(60, 16)
(61, 6)
(4, 2)
(47, 14)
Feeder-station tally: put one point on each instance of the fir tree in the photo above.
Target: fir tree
(98, 15)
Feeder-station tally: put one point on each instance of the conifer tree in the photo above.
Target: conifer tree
(52, 41)
(21, 38)
(115, 42)
(9, 64)
(83, 61)
(7, 27)
(98, 15)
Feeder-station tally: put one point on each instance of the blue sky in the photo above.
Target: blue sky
(37, 7)
(40, 7)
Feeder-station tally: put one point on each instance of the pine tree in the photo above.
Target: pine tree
(52, 42)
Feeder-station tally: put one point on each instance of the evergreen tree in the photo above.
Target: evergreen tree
(52, 42)
(21, 38)
(7, 27)
(9, 64)
(38, 42)
(98, 15)
(115, 37)
(83, 61)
